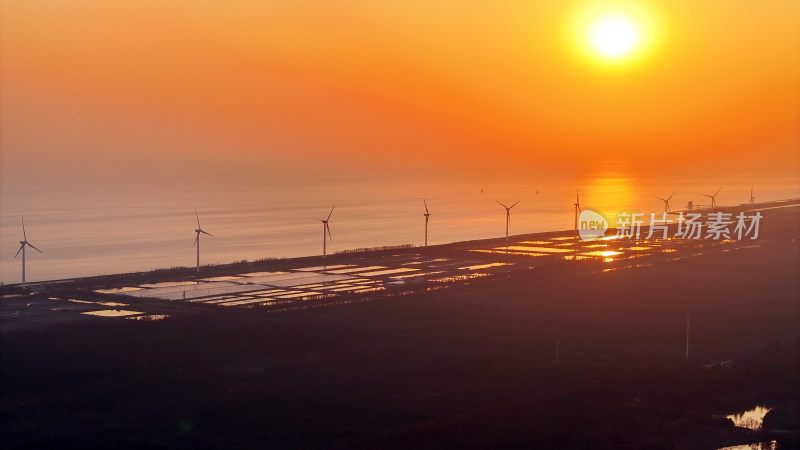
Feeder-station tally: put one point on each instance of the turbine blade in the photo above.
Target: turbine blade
(515, 204)
(31, 246)
(329, 214)
(426, 206)
(197, 217)
(197, 238)
(662, 199)
(670, 196)
(715, 193)
(24, 236)
(328, 229)
(20, 249)
(501, 203)
(205, 232)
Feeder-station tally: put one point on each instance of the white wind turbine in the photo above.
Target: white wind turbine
(326, 229)
(427, 216)
(577, 206)
(713, 198)
(197, 239)
(508, 214)
(22, 245)
(666, 201)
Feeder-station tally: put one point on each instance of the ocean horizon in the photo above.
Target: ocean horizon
(87, 232)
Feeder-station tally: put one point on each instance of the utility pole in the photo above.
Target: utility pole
(687, 337)
(558, 355)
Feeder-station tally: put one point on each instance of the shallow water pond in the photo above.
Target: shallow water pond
(752, 418)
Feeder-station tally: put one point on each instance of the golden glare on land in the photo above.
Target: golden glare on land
(614, 35)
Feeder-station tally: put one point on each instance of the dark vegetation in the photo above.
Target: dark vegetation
(374, 249)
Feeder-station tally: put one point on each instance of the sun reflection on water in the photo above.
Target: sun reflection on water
(609, 192)
(607, 255)
(752, 419)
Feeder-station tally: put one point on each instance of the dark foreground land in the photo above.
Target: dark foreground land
(470, 366)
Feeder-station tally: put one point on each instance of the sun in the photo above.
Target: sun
(614, 35)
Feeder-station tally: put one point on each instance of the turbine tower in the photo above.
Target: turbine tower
(22, 245)
(666, 201)
(577, 206)
(713, 198)
(197, 239)
(508, 214)
(326, 229)
(427, 216)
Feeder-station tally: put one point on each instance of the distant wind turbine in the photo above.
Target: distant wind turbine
(427, 216)
(508, 214)
(197, 239)
(577, 206)
(666, 201)
(752, 199)
(713, 198)
(326, 229)
(22, 245)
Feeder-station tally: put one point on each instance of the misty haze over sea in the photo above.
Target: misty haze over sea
(88, 231)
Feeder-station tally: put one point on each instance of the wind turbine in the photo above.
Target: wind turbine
(197, 239)
(577, 206)
(427, 216)
(326, 228)
(508, 214)
(666, 201)
(22, 245)
(752, 199)
(713, 198)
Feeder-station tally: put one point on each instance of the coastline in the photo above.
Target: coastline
(185, 272)
(442, 362)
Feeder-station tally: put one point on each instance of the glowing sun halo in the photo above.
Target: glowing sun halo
(614, 35)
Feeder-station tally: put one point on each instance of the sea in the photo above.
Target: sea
(86, 230)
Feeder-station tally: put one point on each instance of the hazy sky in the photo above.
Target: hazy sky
(98, 90)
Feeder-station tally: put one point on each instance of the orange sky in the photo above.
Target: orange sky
(257, 87)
